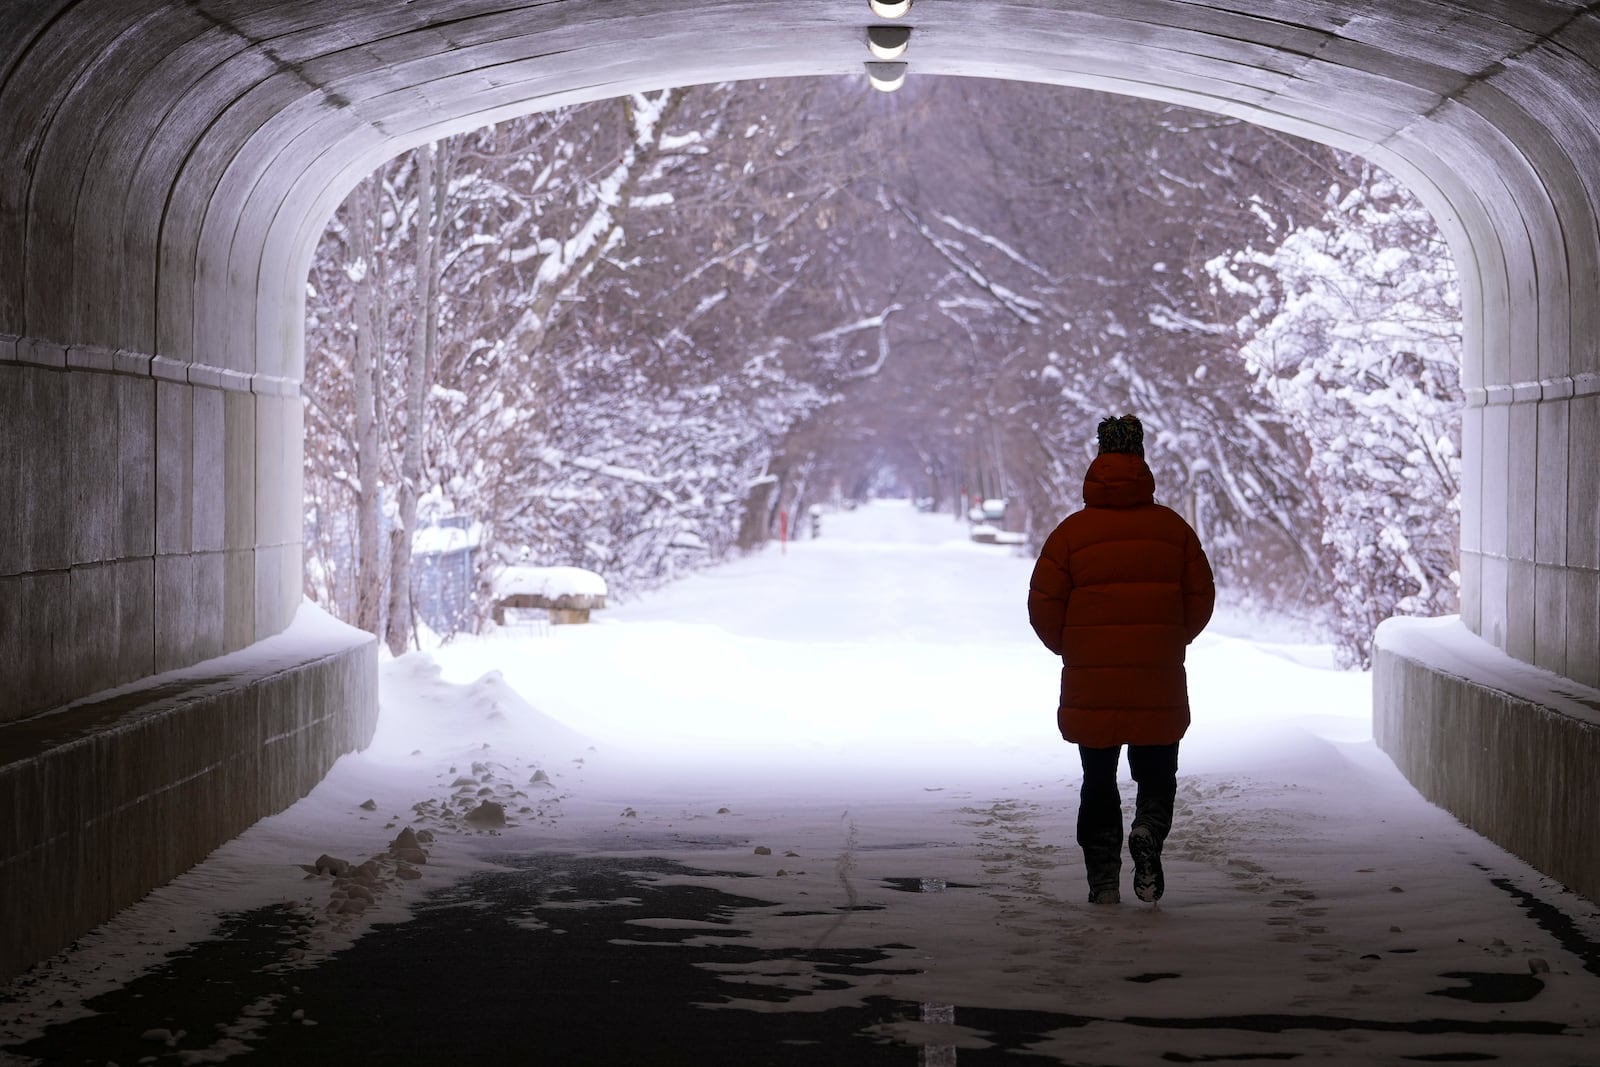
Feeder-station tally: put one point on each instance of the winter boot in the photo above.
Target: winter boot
(1105, 895)
(1102, 862)
(1100, 831)
(1104, 869)
(1148, 880)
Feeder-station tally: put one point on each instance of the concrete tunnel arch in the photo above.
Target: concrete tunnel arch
(166, 168)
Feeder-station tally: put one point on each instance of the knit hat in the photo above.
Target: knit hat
(1121, 435)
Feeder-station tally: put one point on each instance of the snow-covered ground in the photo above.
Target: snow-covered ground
(871, 705)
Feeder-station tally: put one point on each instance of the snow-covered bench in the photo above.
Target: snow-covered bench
(567, 593)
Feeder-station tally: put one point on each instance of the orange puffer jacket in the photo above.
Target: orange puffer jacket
(1120, 590)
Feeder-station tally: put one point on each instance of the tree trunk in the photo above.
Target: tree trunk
(369, 562)
(424, 340)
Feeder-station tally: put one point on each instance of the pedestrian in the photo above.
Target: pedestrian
(1119, 591)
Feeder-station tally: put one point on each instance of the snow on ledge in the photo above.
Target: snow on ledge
(311, 637)
(548, 582)
(1446, 645)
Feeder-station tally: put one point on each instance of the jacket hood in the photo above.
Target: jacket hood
(1118, 480)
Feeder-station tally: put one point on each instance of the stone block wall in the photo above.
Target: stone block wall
(141, 524)
(155, 700)
(1530, 523)
(104, 800)
(1510, 750)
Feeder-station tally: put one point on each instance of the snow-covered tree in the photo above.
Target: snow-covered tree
(1353, 334)
(1048, 253)
(627, 334)
(531, 325)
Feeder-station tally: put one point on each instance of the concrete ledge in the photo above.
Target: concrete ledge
(1511, 750)
(107, 798)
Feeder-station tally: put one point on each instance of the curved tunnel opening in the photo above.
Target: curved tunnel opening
(1447, 156)
(165, 219)
(972, 271)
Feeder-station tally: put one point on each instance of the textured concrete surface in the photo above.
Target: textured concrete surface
(166, 169)
(107, 474)
(105, 799)
(1513, 755)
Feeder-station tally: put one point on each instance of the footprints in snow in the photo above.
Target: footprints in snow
(1027, 852)
(490, 797)
(1209, 834)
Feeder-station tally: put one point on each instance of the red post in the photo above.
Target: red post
(783, 531)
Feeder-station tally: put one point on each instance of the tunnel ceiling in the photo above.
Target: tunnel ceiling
(168, 167)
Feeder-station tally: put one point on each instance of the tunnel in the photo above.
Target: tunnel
(168, 166)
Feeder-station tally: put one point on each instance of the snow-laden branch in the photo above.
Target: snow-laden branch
(883, 349)
(1174, 320)
(993, 242)
(560, 260)
(553, 457)
(871, 322)
(1028, 310)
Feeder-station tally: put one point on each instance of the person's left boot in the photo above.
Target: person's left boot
(1148, 880)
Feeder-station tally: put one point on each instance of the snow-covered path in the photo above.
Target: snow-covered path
(892, 641)
(853, 742)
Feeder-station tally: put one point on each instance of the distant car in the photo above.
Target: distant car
(988, 524)
(992, 512)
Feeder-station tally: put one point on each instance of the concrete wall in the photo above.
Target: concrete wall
(149, 528)
(103, 801)
(1530, 553)
(150, 518)
(1512, 752)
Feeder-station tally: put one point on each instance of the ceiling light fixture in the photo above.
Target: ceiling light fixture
(889, 9)
(888, 42)
(886, 77)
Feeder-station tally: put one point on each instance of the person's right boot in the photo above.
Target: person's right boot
(1149, 882)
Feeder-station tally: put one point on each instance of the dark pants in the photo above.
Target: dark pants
(1155, 769)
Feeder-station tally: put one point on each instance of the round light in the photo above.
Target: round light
(889, 9)
(888, 42)
(886, 77)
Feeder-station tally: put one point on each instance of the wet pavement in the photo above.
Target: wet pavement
(538, 963)
(567, 958)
